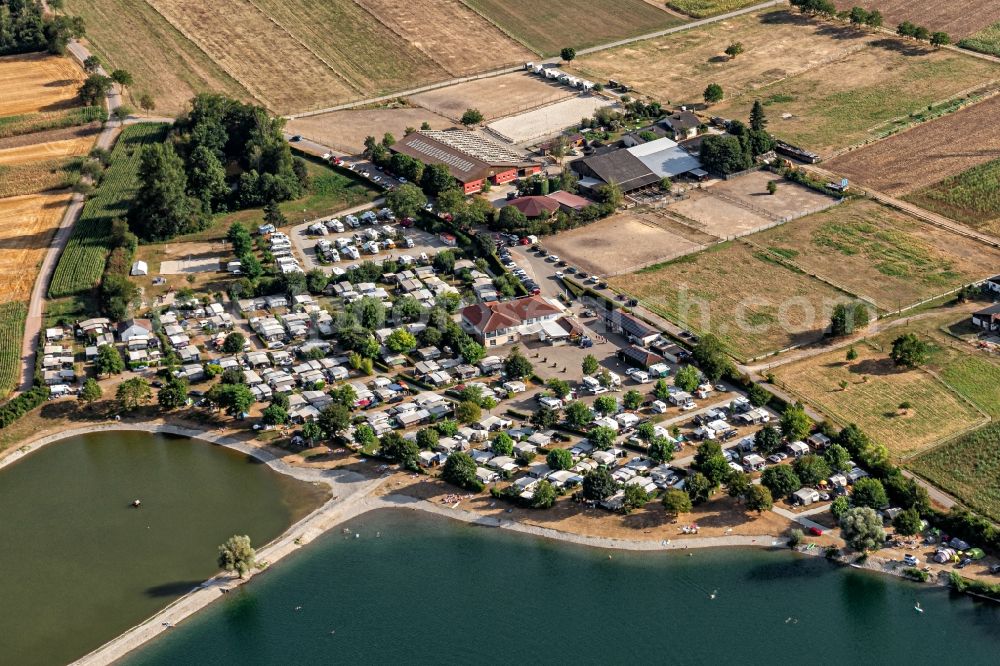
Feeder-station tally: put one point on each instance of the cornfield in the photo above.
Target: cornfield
(971, 197)
(81, 264)
(50, 120)
(33, 178)
(706, 8)
(12, 318)
(968, 468)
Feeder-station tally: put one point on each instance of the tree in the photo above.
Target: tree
(234, 343)
(543, 496)
(758, 395)
(334, 419)
(767, 440)
(908, 522)
(90, 392)
(758, 120)
(567, 54)
(724, 154)
(237, 555)
(738, 485)
(781, 480)
(401, 341)
(578, 414)
(602, 437)
(852, 353)
(874, 19)
(206, 178)
(837, 457)
(109, 361)
(772, 186)
(516, 366)
(437, 180)
(174, 393)
(162, 207)
(795, 423)
(846, 318)
(364, 436)
(560, 387)
(732, 51)
(94, 89)
(687, 378)
(471, 117)
(122, 77)
(661, 390)
(598, 484)
(468, 411)
(235, 399)
(632, 400)
(661, 450)
(427, 438)
(699, 488)
(91, 64)
(460, 470)
(862, 529)
(711, 357)
(758, 498)
(870, 493)
(590, 364)
(635, 497)
(713, 93)
(606, 405)
(676, 502)
(811, 469)
(857, 16)
(839, 506)
(406, 200)
(502, 445)
(559, 459)
(147, 102)
(132, 393)
(909, 351)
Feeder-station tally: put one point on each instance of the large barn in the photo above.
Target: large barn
(637, 167)
(472, 158)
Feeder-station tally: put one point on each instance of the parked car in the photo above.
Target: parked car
(910, 560)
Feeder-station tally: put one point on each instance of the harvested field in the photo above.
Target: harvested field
(968, 469)
(829, 108)
(33, 178)
(371, 55)
(17, 140)
(706, 8)
(456, 38)
(27, 123)
(928, 153)
(38, 82)
(346, 130)
(26, 227)
(875, 390)
(495, 97)
(266, 59)
(548, 27)
(972, 197)
(880, 253)
(49, 150)
(619, 243)
(130, 34)
(958, 21)
(548, 120)
(755, 305)
(985, 41)
(790, 200)
(677, 67)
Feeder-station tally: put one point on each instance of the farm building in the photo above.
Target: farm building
(987, 319)
(993, 285)
(631, 327)
(636, 167)
(535, 206)
(681, 125)
(495, 324)
(472, 158)
(569, 202)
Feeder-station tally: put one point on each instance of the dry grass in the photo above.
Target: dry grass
(875, 391)
(495, 97)
(754, 304)
(264, 58)
(50, 150)
(704, 8)
(879, 253)
(346, 130)
(958, 21)
(26, 227)
(38, 82)
(548, 27)
(677, 67)
(32, 178)
(928, 153)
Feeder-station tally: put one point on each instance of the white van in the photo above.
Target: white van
(335, 225)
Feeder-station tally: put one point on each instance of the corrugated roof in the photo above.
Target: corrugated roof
(665, 158)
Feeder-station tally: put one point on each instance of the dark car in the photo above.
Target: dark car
(296, 138)
(156, 383)
(602, 285)
(632, 302)
(570, 270)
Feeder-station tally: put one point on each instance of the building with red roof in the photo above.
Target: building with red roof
(535, 206)
(497, 323)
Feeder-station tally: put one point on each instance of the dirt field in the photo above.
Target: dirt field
(164, 63)
(935, 15)
(38, 82)
(753, 304)
(548, 120)
(852, 101)
(618, 244)
(26, 227)
(676, 68)
(928, 153)
(719, 217)
(548, 27)
(346, 130)
(875, 390)
(495, 97)
(49, 150)
(267, 60)
(880, 254)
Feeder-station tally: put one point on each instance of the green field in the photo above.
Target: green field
(546, 28)
(82, 262)
(985, 41)
(971, 197)
(968, 468)
(706, 8)
(12, 318)
(50, 120)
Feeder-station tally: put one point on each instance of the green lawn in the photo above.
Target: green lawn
(968, 468)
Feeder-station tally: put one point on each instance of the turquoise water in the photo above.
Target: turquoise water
(79, 565)
(421, 589)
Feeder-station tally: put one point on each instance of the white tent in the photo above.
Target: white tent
(140, 268)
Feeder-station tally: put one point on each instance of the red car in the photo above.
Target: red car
(406, 222)
(815, 531)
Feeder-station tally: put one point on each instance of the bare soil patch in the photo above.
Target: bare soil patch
(618, 244)
(718, 217)
(928, 153)
(495, 97)
(346, 130)
(38, 82)
(957, 21)
(26, 227)
(50, 135)
(790, 199)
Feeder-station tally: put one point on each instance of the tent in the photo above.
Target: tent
(140, 268)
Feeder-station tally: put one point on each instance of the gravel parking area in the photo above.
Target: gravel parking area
(305, 243)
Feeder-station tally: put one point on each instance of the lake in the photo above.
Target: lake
(79, 565)
(419, 589)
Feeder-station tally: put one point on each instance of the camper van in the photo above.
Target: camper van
(335, 225)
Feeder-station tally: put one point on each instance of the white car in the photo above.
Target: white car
(688, 406)
(910, 560)
(560, 274)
